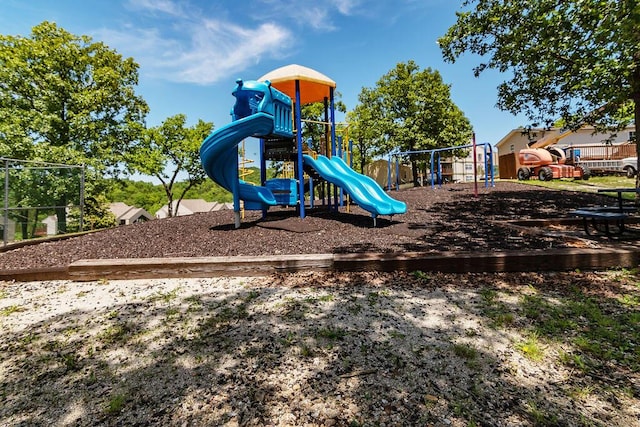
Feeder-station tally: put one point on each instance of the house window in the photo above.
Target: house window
(512, 148)
(468, 167)
(632, 136)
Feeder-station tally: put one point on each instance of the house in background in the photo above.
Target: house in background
(460, 169)
(379, 171)
(605, 145)
(191, 206)
(452, 169)
(9, 234)
(51, 224)
(126, 214)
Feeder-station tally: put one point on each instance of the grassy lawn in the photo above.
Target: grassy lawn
(591, 185)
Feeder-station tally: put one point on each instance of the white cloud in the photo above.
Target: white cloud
(346, 7)
(164, 6)
(193, 48)
(313, 14)
(220, 47)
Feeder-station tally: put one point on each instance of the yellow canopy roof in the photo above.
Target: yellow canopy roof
(314, 86)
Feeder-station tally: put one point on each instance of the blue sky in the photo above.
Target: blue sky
(190, 52)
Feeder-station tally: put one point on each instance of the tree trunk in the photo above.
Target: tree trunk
(61, 214)
(414, 172)
(24, 223)
(34, 226)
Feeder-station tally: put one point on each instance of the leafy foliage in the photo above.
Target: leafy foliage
(315, 133)
(167, 150)
(151, 197)
(409, 109)
(67, 99)
(577, 60)
(96, 215)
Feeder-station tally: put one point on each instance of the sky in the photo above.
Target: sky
(191, 52)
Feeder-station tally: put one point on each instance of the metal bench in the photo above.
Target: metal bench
(624, 209)
(601, 218)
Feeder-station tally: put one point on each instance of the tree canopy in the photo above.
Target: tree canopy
(574, 60)
(313, 116)
(169, 150)
(409, 109)
(67, 99)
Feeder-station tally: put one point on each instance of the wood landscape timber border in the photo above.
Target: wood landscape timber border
(446, 262)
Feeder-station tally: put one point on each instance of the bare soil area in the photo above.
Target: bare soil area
(327, 349)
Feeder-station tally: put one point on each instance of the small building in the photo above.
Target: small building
(379, 171)
(126, 214)
(8, 234)
(191, 206)
(51, 224)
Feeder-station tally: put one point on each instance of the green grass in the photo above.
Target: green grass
(600, 330)
(331, 333)
(116, 334)
(500, 315)
(116, 404)
(531, 348)
(165, 297)
(465, 351)
(7, 311)
(590, 186)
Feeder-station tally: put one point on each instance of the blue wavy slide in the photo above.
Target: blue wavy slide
(363, 190)
(219, 158)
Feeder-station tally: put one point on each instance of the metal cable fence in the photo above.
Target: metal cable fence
(40, 199)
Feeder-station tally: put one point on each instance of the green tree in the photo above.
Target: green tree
(67, 99)
(574, 60)
(169, 150)
(411, 109)
(364, 130)
(96, 215)
(142, 194)
(313, 116)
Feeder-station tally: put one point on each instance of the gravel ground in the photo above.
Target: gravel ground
(450, 218)
(357, 349)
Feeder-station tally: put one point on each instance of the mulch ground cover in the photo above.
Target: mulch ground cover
(449, 218)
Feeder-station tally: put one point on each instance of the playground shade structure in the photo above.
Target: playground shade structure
(263, 111)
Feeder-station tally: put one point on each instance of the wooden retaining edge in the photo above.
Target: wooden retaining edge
(34, 274)
(493, 262)
(447, 262)
(147, 268)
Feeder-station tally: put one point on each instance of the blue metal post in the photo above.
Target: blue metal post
(263, 172)
(235, 189)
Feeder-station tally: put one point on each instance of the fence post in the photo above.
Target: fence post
(81, 201)
(5, 228)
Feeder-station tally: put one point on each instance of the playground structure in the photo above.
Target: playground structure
(264, 109)
(435, 156)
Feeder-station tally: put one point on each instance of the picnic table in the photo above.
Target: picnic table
(620, 191)
(602, 217)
